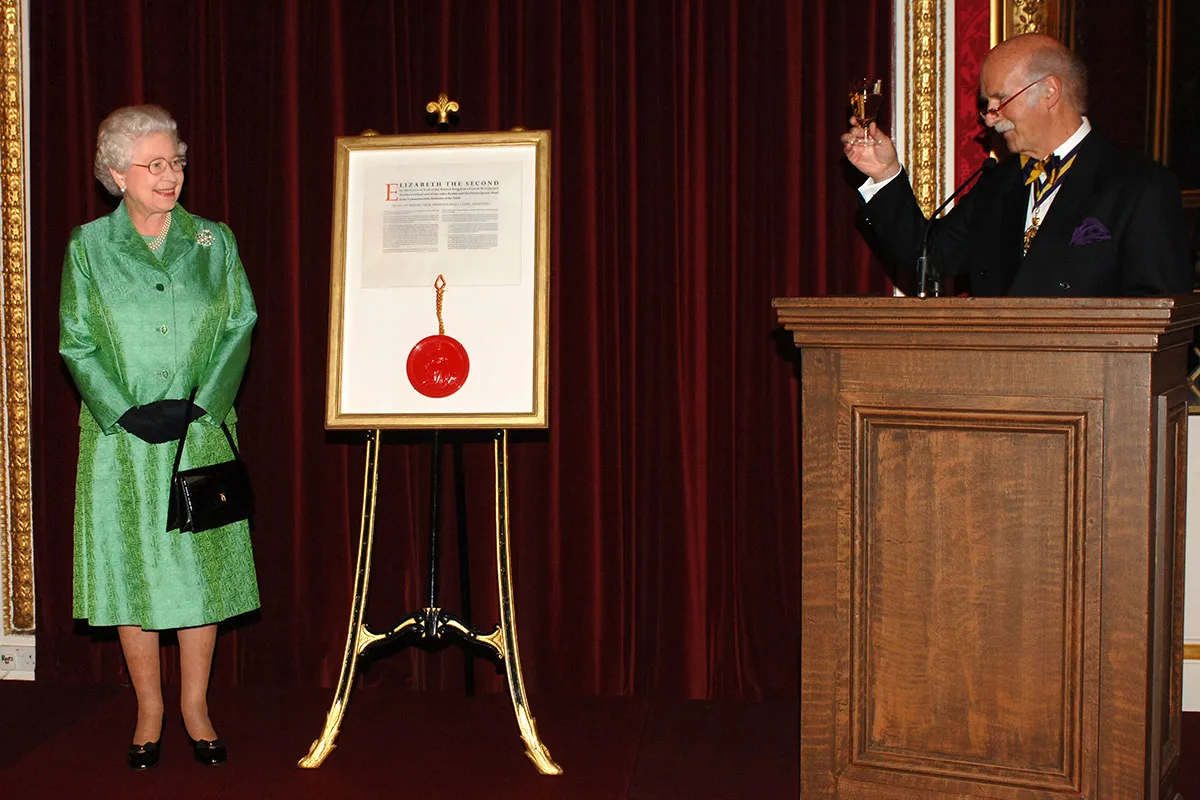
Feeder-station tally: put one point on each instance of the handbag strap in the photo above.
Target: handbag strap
(229, 436)
(187, 424)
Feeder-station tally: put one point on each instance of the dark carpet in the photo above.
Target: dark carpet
(66, 742)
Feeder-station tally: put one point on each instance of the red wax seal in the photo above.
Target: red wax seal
(438, 366)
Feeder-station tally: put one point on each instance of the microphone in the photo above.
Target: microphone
(922, 260)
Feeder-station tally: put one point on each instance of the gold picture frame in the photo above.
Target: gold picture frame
(440, 280)
(1014, 17)
(16, 507)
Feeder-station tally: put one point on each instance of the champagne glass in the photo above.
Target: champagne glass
(866, 101)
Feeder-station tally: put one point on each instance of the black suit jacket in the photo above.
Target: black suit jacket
(1115, 229)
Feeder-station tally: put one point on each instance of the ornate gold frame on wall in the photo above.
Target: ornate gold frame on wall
(1052, 17)
(921, 58)
(16, 512)
(923, 35)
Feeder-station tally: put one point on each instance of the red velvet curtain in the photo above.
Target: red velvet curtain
(696, 175)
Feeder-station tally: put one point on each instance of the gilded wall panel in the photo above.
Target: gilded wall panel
(923, 54)
(16, 512)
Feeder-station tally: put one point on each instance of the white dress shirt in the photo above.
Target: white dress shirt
(871, 187)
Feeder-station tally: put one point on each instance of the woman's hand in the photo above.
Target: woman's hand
(160, 421)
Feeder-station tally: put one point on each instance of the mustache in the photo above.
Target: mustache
(1003, 126)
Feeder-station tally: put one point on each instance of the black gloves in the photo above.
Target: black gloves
(160, 421)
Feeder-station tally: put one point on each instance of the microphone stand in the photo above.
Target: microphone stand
(923, 274)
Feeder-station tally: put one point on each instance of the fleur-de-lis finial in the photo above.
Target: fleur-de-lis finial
(443, 107)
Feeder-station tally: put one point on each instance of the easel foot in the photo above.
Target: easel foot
(539, 754)
(542, 760)
(318, 752)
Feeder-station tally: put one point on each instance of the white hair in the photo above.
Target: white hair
(118, 133)
(1069, 68)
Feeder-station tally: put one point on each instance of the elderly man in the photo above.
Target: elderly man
(1074, 215)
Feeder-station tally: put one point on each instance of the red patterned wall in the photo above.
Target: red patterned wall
(972, 39)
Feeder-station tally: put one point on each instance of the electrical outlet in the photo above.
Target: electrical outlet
(17, 658)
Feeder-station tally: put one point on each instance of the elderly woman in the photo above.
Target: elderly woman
(155, 303)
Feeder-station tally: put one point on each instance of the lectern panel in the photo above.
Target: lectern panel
(1171, 522)
(967, 543)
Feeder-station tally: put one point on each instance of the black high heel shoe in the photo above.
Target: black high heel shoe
(145, 756)
(206, 752)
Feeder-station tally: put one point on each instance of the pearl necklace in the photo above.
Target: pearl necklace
(157, 241)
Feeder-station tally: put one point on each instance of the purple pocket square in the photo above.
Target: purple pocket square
(1090, 231)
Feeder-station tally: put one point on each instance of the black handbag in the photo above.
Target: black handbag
(204, 498)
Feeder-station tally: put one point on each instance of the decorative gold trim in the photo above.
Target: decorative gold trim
(1191, 652)
(925, 59)
(443, 107)
(1052, 17)
(16, 512)
(1030, 16)
(1013, 17)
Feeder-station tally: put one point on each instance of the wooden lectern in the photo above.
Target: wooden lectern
(993, 545)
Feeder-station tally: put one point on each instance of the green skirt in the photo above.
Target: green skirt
(129, 570)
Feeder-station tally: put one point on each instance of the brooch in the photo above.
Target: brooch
(204, 237)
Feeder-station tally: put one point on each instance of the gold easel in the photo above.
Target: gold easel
(431, 622)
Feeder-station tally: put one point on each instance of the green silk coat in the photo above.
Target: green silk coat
(135, 329)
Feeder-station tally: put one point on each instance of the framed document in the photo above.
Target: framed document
(439, 290)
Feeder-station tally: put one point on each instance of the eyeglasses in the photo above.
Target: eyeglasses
(994, 113)
(159, 165)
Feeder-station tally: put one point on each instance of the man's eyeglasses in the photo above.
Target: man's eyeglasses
(159, 165)
(991, 114)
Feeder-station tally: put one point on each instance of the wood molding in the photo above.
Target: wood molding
(912, 632)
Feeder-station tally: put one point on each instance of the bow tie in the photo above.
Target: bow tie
(1032, 169)
(1045, 174)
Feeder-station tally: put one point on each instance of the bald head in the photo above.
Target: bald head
(1034, 55)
